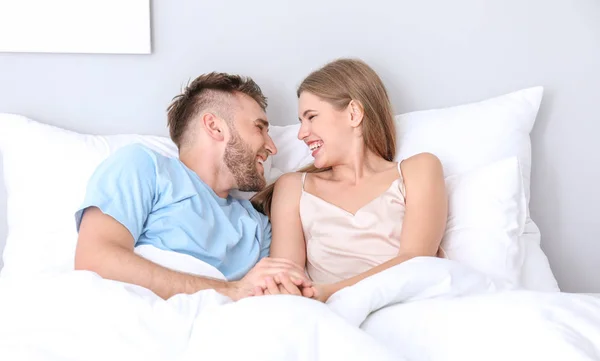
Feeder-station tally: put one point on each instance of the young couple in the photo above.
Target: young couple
(353, 213)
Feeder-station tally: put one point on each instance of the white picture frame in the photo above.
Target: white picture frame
(75, 26)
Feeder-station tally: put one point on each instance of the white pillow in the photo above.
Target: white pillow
(292, 153)
(487, 214)
(467, 136)
(464, 137)
(46, 170)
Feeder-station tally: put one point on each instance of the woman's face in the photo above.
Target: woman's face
(325, 130)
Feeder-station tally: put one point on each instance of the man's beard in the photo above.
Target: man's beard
(241, 162)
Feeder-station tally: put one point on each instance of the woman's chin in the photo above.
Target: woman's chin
(319, 163)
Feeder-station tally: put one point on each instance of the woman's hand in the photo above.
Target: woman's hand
(323, 291)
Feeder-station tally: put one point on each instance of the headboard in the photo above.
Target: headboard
(429, 53)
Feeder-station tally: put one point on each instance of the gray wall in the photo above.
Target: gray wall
(3, 225)
(430, 54)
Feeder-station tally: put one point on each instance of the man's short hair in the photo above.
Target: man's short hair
(213, 91)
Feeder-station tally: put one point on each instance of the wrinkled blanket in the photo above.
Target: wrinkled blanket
(423, 309)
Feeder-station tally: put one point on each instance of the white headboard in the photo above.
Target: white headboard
(429, 53)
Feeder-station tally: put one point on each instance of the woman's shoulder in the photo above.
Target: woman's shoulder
(287, 189)
(293, 179)
(290, 179)
(289, 184)
(420, 160)
(421, 165)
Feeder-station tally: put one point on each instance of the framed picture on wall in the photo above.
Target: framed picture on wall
(75, 26)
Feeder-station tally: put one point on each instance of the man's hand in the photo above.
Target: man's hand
(265, 270)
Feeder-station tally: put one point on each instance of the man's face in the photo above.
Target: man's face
(249, 145)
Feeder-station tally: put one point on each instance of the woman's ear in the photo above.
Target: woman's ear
(213, 126)
(356, 113)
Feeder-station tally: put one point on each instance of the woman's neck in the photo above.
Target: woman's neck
(359, 166)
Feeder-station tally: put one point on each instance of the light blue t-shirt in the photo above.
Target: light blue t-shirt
(165, 204)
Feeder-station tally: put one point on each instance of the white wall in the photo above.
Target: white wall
(430, 54)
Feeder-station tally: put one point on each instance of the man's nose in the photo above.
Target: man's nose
(270, 146)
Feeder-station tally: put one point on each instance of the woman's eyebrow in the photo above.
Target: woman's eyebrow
(307, 111)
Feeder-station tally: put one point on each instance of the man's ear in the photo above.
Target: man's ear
(213, 126)
(356, 113)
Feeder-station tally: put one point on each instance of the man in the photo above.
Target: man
(137, 197)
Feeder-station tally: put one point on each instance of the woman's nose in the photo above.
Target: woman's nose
(304, 131)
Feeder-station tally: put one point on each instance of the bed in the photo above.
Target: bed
(493, 297)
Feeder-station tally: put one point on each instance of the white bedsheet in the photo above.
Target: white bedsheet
(424, 309)
(508, 326)
(435, 309)
(78, 316)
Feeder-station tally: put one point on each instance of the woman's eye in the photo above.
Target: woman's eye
(311, 117)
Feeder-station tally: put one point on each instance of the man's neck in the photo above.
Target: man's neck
(207, 164)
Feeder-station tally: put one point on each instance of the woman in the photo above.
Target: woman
(355, 212)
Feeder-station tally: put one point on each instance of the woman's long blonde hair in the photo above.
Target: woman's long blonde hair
(338, 83)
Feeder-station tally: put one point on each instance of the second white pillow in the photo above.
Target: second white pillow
(486, 217)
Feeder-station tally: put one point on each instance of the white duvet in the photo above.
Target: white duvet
(423, 309)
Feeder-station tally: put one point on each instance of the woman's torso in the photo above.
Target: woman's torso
(341, 244)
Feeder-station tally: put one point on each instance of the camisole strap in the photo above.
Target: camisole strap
(303, 178)
(402, 187)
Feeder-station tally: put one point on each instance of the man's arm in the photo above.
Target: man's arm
(106, 247)
(119, 197)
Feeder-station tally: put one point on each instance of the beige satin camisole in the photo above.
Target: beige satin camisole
(340, 245)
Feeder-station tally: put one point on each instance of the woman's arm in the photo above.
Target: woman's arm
(424, 220)
(287, 235)
(287, 240)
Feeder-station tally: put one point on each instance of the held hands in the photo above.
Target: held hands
(283, 284)
(273, 276)
(268, 268)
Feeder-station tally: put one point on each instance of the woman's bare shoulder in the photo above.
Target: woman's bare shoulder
(422, 165)
(288, 187)
(289, 180)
